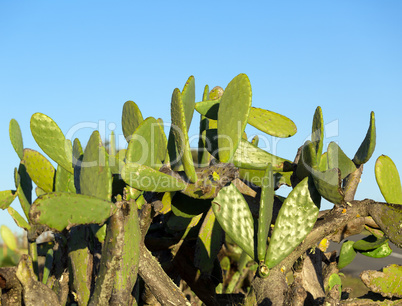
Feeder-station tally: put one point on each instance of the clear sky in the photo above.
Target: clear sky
(79, 61)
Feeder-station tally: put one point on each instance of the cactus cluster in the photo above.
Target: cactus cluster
(95, 201)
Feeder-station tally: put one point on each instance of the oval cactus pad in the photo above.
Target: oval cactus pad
(234, 216)
(16, 137)
(60, 210)
(388, 179)
(295, 220)
(51, 140)
(271, 123)
(179, 131)
(130, 119)
(233, 114)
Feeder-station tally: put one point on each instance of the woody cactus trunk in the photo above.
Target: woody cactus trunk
(155, 222)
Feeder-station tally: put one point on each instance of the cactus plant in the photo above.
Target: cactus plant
(109, 208)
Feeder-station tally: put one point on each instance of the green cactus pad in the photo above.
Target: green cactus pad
(234, 216)
(23, 183)
(295, 220)
(96, 177)
(249, 156)
(188, 207)
(188, 100)
(145, 178)
(144, 144)
(271, 123)
(162, 145)
(77, 151)
(130, 119)
(317, 133)
(18, 219)
(6, 198)
(16, 137)
(387, 177)
(51, 140)
(265, 214)
(367, 147)
(382, 251)
(308, 160)
(338, 159)
(347, 254)
(78, 155)
(179, 112)
(64, 181)
(386, 282)
(328, 184)
(8, 238)
(209, 243)
(60, 210)
(233, 114)
(39, 169)
(208, 108)
(369, 243)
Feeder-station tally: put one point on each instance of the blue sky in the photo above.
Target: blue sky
(79, 61)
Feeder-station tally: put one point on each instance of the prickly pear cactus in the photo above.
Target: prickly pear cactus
(194, 206)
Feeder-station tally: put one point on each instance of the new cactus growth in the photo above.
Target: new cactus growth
(110, 207)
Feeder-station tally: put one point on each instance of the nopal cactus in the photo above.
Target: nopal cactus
(212, 219)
